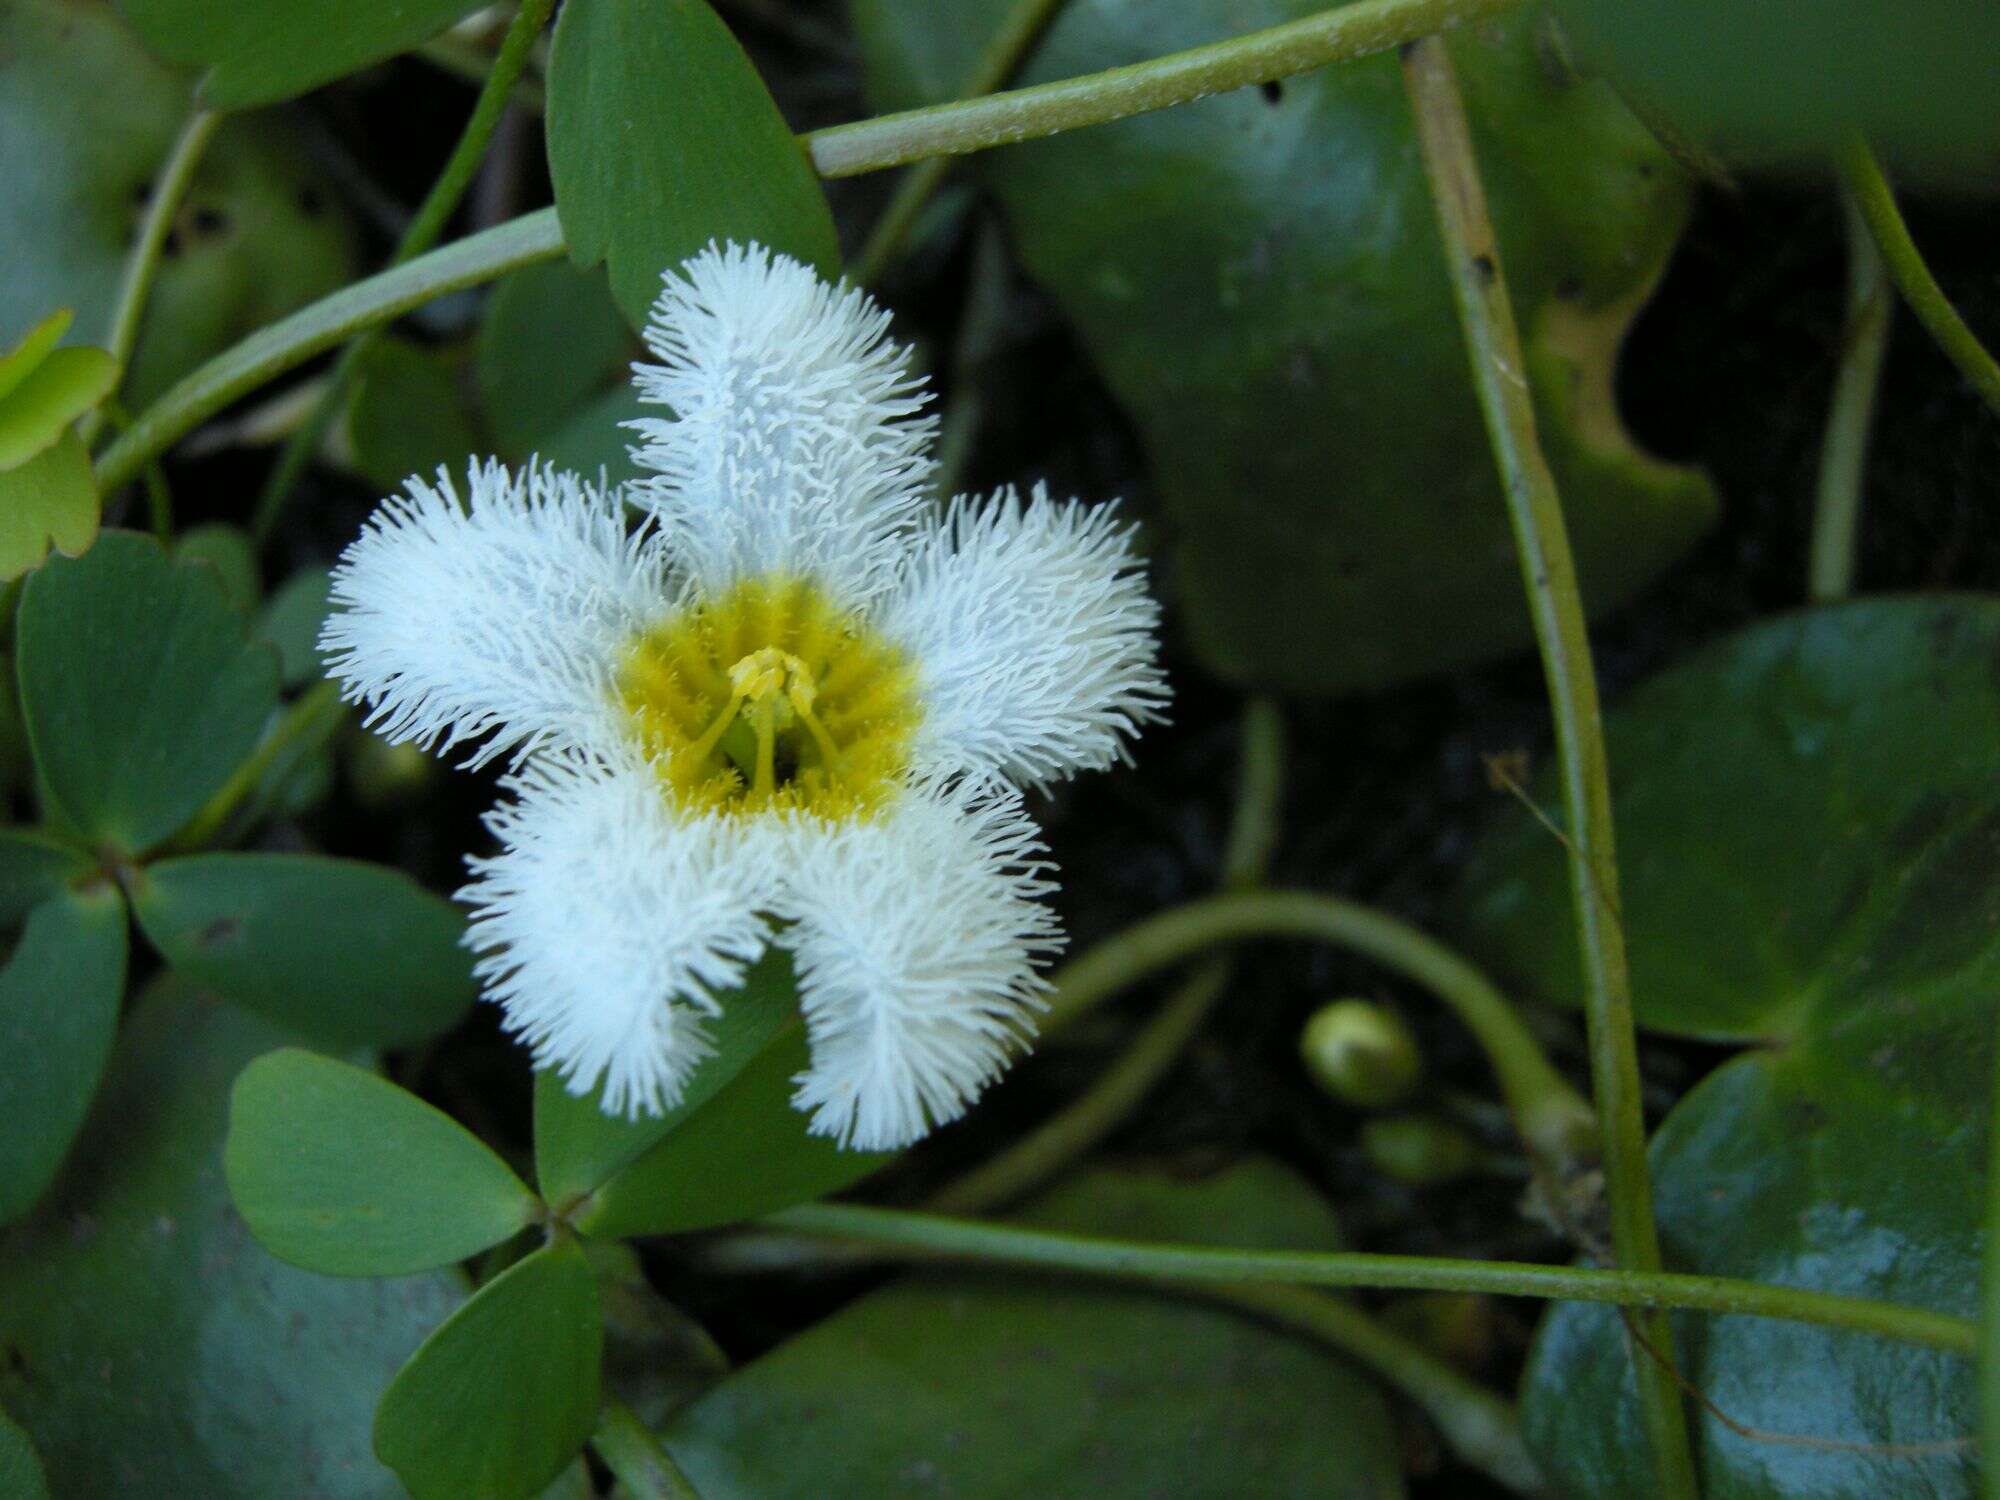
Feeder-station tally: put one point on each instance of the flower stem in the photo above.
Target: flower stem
(431, 217)
(1549, 572)
(312, 710)
(636, 1458)
(1877, 202)
(1002, 54)
(933, 1236)
(1348, 31)
(1545, 1108)
(1843, 452)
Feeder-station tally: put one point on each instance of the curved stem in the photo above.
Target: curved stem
(1555, 603)
(638, 1459)
(143, 264)
(1843, 453)
(1002, 54)
(1877, 202)
(1349, 31)
(1545, 1108)
(932, 1236)
(431, 217)
(1480, 1428)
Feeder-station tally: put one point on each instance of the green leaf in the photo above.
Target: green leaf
(336, 1169)
(1809, 832)
(59, 997)
(34, 867)
(138, 688)
(746, 1152)
(22, 360)
(553, 344)
(408, 415)
(153, 1348)
(259, 54)
(38, 410)
(229, 551)
(662, 137)
(1851, 749)
(291, 622)
(504, 1395)
(1795, 81)
(51, 500)
(86, 119)
(343, 953)
(577, 1145)
(1258, 277)
(990, 1387)
(21, 1476)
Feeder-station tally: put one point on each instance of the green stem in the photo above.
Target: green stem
(1843, 452)
(1549, 573)
(1347, 32)
(932, 1236)
(636, 1458)
(997, 61)
(1545, 1108)
(1877, 202)
(1478, 1426)
(430, 220)
(310, 709)
(143, 264)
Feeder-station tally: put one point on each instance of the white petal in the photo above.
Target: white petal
(793, 447)
(502, 616)
(1034, 637)
(915, 936)
(609, 928)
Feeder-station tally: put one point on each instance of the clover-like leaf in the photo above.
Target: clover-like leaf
(44, 389)
(336, 1169)
(408, 415)
(344, 953)
(48, 501)
(291, 621)
(662, 137)
(503, 1395)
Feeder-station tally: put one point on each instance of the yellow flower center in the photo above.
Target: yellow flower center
(771, 698)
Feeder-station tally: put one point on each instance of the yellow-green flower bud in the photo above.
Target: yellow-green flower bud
(1361, 1054)
(1420, 1150)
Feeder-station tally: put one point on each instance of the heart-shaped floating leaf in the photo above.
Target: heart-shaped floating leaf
(229, 550)
(336, 1169)
(662, 137)
(86, 120)
(153, 1348)
(258, 54)
(344, 953)
(59, 995)
(1809, 829)
(504, 1394)
(1000, 1386)
(409, 415)
(140, 691)
(1259, 278)
(291, 621)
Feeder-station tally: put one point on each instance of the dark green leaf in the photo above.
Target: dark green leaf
(552, 349)
(408, 415)
(656, 1358)
(336, 1169)
(140, 692)
(1259, 278)
(228, 550)
(59, 997)
(291, 622)
(502, 1396)
(746, 1152)
(49, 501)
(258, 54)
(345, 954)
(1001, 1386)
(577, 1145)
(86, 119)
(21, 1476)
(153, 1348)
(662, 137)
(34, 867)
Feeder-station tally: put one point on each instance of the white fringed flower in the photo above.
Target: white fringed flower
(796, 705)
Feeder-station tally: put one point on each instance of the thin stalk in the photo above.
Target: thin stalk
(1001, 55)
(1545, 1109)
(1338, 35)
(431, 217)
(1877, 202)
(842, 150)
(308, 712)
(1844, 450)
(1541, 539)
(1072, 1131)
(1480, 1428)
(636, 1458)
(934, 1237)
